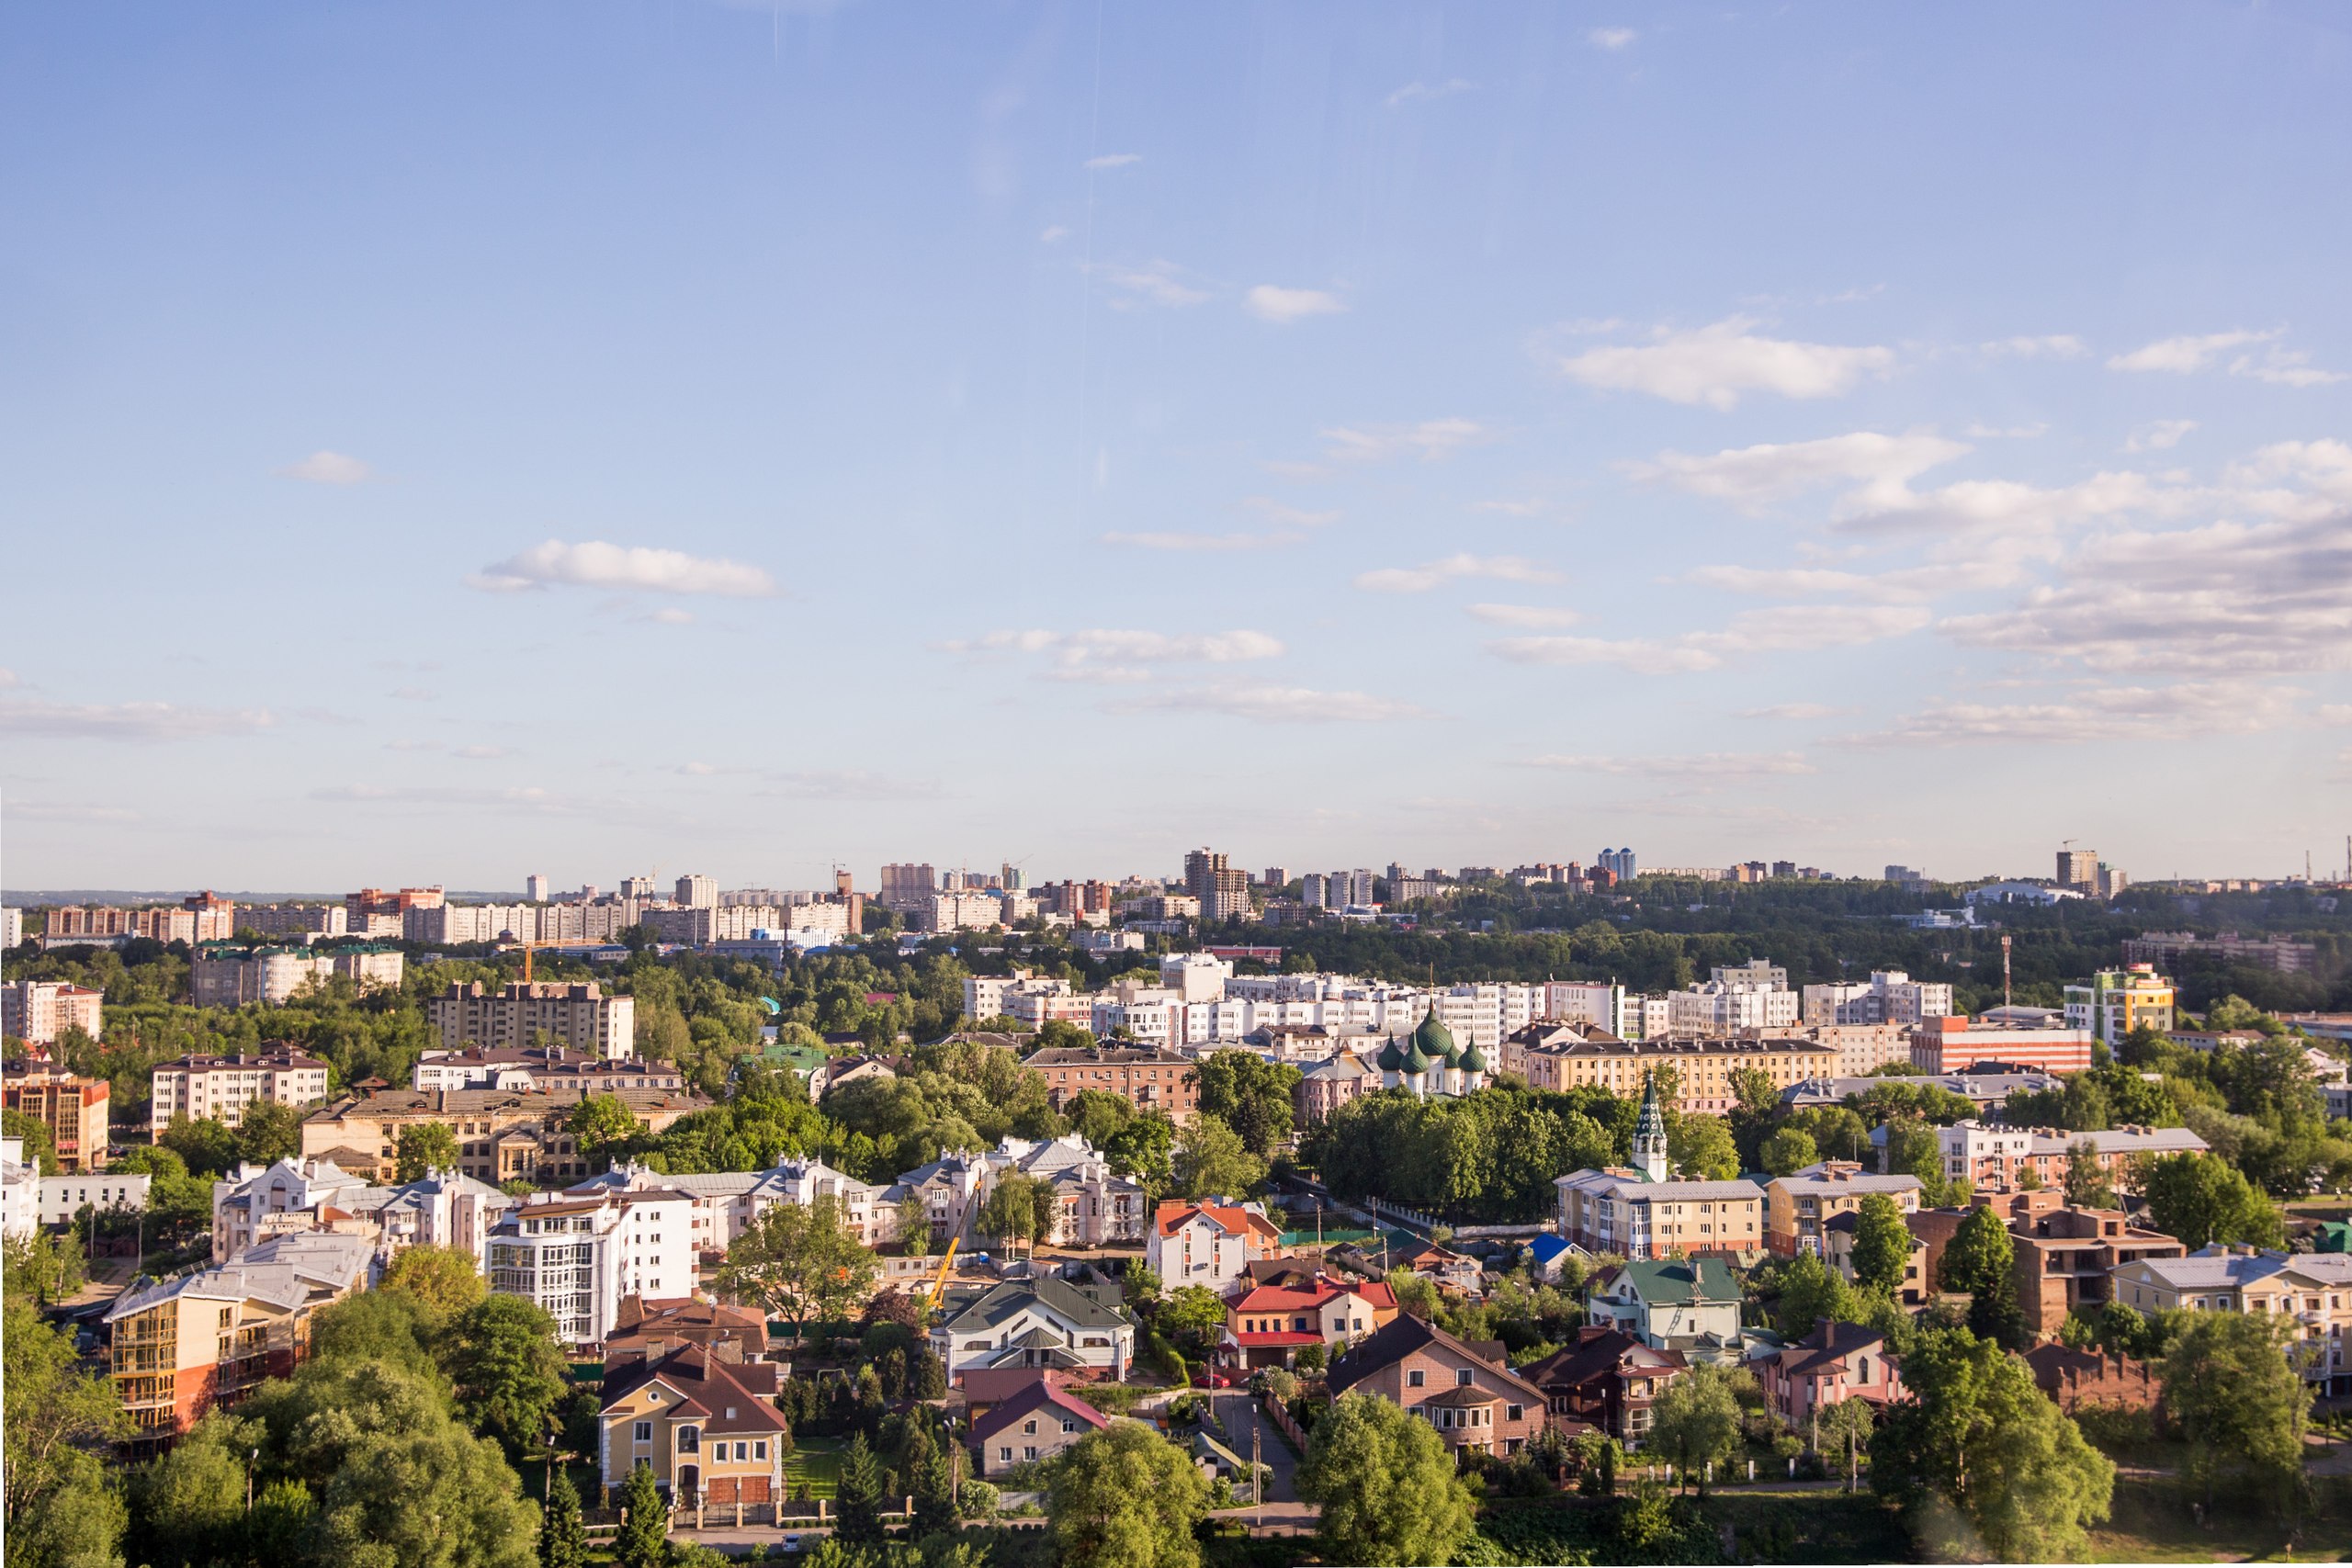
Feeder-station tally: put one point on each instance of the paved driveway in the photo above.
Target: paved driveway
(1238, 1411)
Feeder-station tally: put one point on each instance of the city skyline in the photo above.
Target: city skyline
(446, 445)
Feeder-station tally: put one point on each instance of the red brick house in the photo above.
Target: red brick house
(1607, 1382)
(1835, 1362)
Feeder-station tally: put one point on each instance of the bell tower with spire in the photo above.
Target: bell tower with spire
(1649, 1134)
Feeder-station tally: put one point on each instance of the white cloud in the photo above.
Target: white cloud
(1105, 656)
(1417, 91)
(2333, 713)
(2184, 712)
(1880, 466)
(1158, 283)
(481, 753)
(1527, 507)
(2161, 437)
(1792, 628)
(329, 468)
(127, 721)
(1793, 711)
(1278, 704)
(1430, 440)
(1715, 365)
(596, 564)
(1431, 574)
(8, 679)
(668, 616)
(2284, 367)
(1526, 616)
(1204, 542)
(527, 799)
(2057, 345)
(407, 745)
(2185, 355)
(1612, 39)
(55, 811)
(851, 785)
(1710, 764)
(415, 695)
(1270, 302)
(1112, 161)
(1054, 235)
(1981, 431)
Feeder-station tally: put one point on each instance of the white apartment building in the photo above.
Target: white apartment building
(578, 1014)
(578, 1257)
(1889, 996)
(222, 1086)
(1598, 1003)
(233, 976)
(19, 1192)
(12, 927)
(1754, 994)
(108, 1192)
(695, 892)
(38, 1011)
(1195, 976)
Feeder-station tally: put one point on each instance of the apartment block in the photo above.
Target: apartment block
(502, 1134)
(1798, 1207)
(578, 1014)
(1145, 1078)
(75, 1110)
(2065, 1258)
(2310, 1293)
(576, 1257)
(294, 919)
(38, 1011)
(1968, 1044)
(1889, 996)
(222, 1086)
(1563, 1057)
(2165, 948)
(1994, 1155)
(233, 976)
(2117, 1001)
(201, 917)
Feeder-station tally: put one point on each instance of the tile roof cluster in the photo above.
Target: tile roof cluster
(729, 1398)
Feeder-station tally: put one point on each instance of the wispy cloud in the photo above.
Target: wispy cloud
(1430, 440)
(1716, 364)
(68, 811)
(1112, 161)
(1750, 476)
(1792, 710)
(2162, 435)
(1053, 234)
(1270, 302)
(1528, 616)
(1710, 764)
(1102, 656)
(850, 784)
(2057, 345)
(1287, 515)
(2186, 356)
(1155, 283)
(1277, 704)
(595, 564)
(329, 468)
(127, 721)
(1431, 574)
(1421, 92)
(1209, 543)
(1794, 628)
(1611, 38)
(2102, 714)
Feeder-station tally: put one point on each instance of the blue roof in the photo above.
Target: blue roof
(1544, 1248)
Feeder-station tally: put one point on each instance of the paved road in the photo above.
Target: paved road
(1239, 1413)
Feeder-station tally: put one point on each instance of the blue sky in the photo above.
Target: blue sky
(445, 441)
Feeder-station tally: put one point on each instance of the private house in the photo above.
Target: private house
(1208, 1244)
(1036, 1422)
(1607, 1380)
(1548, 1257)
(1442, 1266)
(648, 1328)
(2310, 1292)
(1325, 1085)
(1797, 1205)
(1687, 1304)
(1835, 1362)
(1467, 1391)
(707, 1426)
(1042, 1323)
(1268, 1325)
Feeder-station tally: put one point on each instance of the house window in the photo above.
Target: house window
(1415, 1377)
(690, 1440)
(1030, 1452)
(759, 1448)
(1005, 1455)
(1462, 1377)
(1030, 1427)
(1516, 1413)
(644, 1433)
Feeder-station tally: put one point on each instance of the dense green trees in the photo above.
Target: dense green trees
(2241, 1406)
(1126, 1497)
(1979, 1445)
(2202, 1198)
(1696, 1421)
(1488, 1157)
(1388, 1487)
(425, 1146)
(1789, 1150)
(563, 1538)
(1019, 1209)
(1980, 1259)
(1882, 1243)
(1251, 1095)
(58, 1424)
(508, 1371)
(800, 1262)
(1210, 1161)
(642, 1541)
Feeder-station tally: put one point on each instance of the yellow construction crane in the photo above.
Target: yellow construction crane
(939, 1280)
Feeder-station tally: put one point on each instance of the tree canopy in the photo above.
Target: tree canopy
(1389, 1489)
(1126, 1497)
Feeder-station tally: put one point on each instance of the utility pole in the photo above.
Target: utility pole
(1257, 1476)
(2005, 969)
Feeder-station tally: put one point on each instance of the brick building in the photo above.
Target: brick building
(75, 1110)
(1467, 1392)
(1145, 1078)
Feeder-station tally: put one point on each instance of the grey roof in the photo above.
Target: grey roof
(2218, 1267)
(1003, 1303)
(1633, 1184)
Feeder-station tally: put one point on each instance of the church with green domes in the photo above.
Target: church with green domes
(1429, 1062)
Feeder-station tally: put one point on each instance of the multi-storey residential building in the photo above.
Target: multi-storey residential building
(1600, 1004)
(62, 1198)
(1222, 888)
(1889, 996)
(222, 1086)
(1754, 994)
(502, 1134)
(1995, 1156)
(705, 1423)
(38, 1011)
(908, 887)
(578, 1257)
(1325, 1085)
(552, 1067)
(20, 1192)
(1568, 1056)
(294, 919)
(1964, 1045)
(75, 1110)
(1624, 1212)
(1799, 1206)
(1835, 1362)
(2117, 1001)
(1985, 1090)
(1208, 1244)
(205, 1340)
(201, 917)
(725, 1202)
(2065, 1258)
(2078, 869)
(1147, 1078)
(1038, 1323)
(233, 976)
(1467, 1391)
(257, 1203)
(577, 1013)
(2158, 948)
(2309, 1292)
(1863, 1048)
(12, 928)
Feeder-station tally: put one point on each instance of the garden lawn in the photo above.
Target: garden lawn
(814, 1462)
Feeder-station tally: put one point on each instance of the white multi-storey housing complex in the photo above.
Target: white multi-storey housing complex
(1889, 996)
(578, 1014)
(578, 1257)
(222, 1086)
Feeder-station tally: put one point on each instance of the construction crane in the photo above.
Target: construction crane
(939, 1280)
